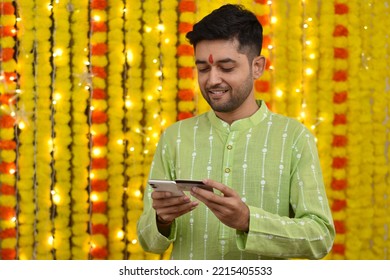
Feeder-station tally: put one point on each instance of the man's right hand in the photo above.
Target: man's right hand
(170, 207)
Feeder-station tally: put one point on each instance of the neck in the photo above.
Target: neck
(241, 113)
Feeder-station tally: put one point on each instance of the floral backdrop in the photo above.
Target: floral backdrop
(87, 87)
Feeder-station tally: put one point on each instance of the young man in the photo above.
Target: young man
(269, 200)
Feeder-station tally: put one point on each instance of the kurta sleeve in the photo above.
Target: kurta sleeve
(309, 231)
(149, 237)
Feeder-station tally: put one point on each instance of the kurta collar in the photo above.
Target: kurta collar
(242, 124)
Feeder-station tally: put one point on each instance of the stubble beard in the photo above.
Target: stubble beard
(234, 100)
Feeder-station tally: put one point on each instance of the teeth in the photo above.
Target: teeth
(218, 91)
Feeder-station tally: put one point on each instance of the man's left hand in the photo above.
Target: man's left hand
(227, 207)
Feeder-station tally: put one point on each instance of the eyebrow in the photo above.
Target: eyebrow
(225, 60)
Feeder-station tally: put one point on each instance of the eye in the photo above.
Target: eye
(203, 70)
(227, 69)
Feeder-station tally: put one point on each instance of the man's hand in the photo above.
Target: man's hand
(227, 207)
(170, 207)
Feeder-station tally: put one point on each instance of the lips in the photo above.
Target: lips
(217, 92)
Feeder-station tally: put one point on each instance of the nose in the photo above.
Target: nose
(214, 77)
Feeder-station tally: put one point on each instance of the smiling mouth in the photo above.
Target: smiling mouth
(217, 92)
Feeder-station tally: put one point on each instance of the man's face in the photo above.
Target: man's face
(224, 75)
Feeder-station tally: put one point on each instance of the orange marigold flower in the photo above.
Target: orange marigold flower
(339, 204)
(340, 30)
(340, 53)
(339, 162)
(7, 98)
(98, 26)
(99, 72)
(100, 229)
(8, 254)
(261, 1)
(6, 121)
(185, 50)
(99, 163)
(10, 77)
(99, 253)
(186, 73)
(339, 226)
(99, 140)
(7, 54)
(187, 6)
(341, 9)
(262, 86)
(99, 207)
(8, 233)
(7, 145)
(99, 93)
(263, 19)
(99, 49)
(7, 190)
(6, 167)
(339, 184)
(338, 249)
(185, 27)
(266, 41)
(99, 4)
(99, 185)
(184, 115)
(268, 64)
(339, 119)
(340, 76)
(340, 97)
(7, 213)
(7, 31)
(186, 94)
(99, 117)
(339, 141)
(7, 8)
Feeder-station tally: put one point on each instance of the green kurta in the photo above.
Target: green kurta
(271, 161)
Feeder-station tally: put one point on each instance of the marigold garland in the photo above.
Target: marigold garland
(43, 134)
(8, 85)
(81, 84)
(324, 130)
(115, 156)
(62, 140)
(310, 43)
(99, 117)
(381, 212)
(134, 179)
(366, 125)
(185, 52)
(264, 85)
(340, 88)
(295, 60)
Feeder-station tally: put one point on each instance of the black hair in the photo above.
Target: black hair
(227, 23)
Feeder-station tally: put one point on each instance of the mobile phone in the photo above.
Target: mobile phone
(186, 185)
(177, 187)
(166, 186)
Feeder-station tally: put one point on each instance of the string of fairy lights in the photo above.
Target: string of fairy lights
(88, 86)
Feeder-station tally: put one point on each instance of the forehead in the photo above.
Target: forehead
(219, 49)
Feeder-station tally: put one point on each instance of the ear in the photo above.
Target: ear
(258, 66)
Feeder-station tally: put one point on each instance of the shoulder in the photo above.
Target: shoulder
(290, 125)
(186, 125)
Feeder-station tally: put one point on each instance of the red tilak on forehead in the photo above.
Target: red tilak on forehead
(211, 60)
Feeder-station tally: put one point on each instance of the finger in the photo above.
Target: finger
(207, 197)
(219, 186)
(161, 195)
(172, 212)
(170, 201)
